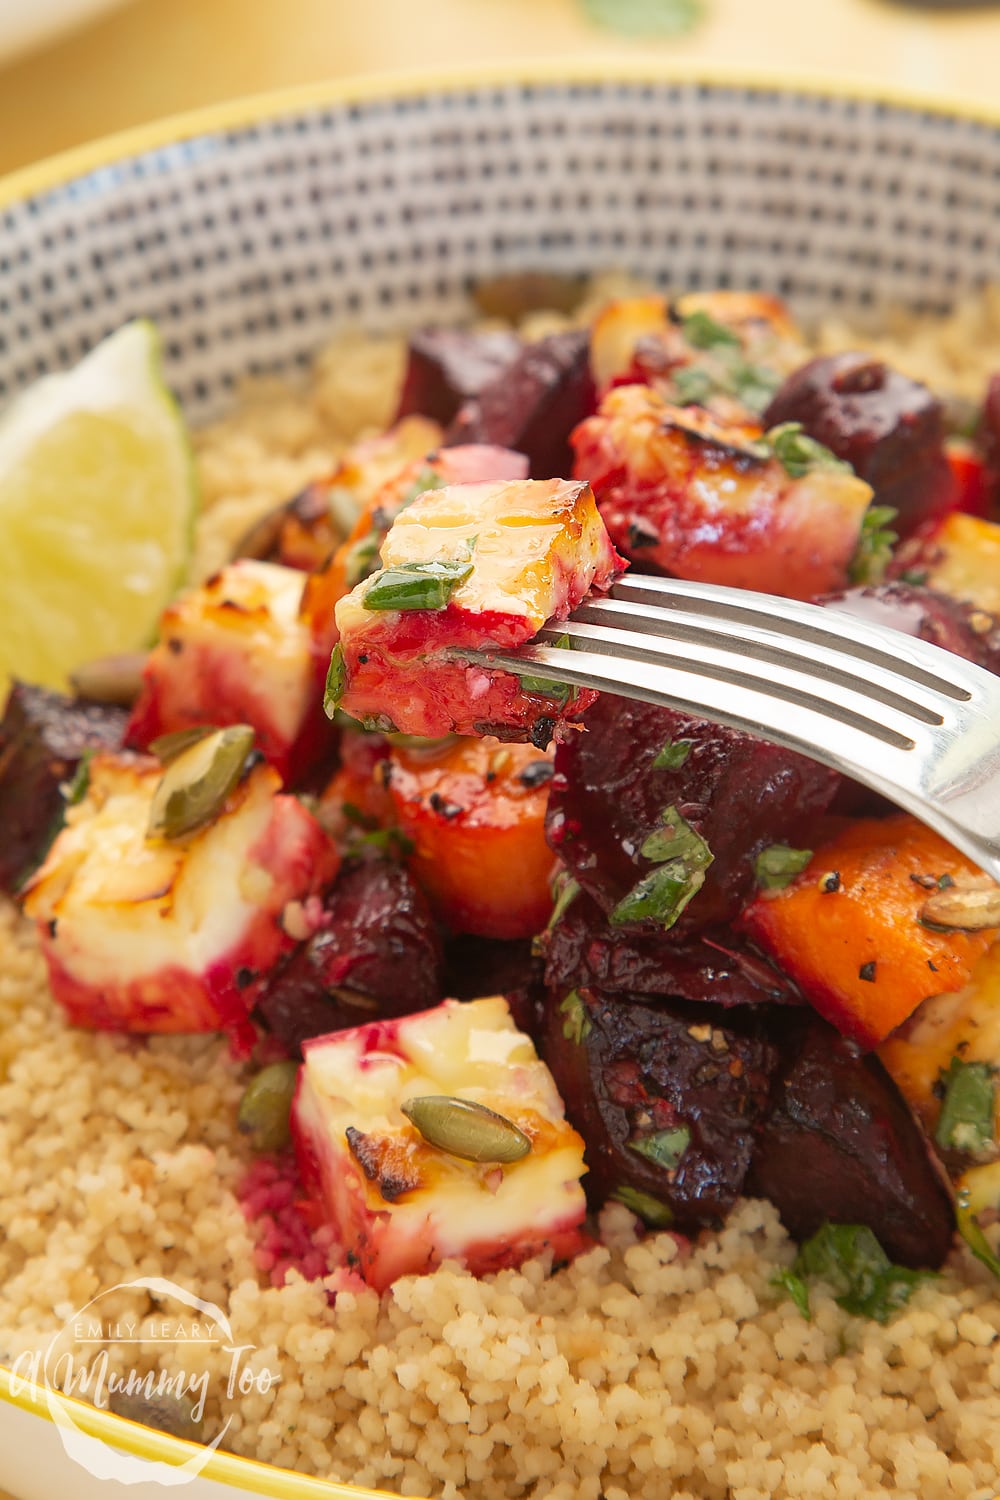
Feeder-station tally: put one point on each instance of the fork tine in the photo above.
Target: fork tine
(651, 632)
(764, 616)
(909, 719)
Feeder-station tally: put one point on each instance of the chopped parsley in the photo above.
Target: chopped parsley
(75, 789)
(798, 453)
(576, 1026)
(777, 866)
(426, 480)
(652, 1211)
(559, 692)
(971, 1231)
(702, 331)
(849, 1258)
(361, 559)
(417, 585)
(968, 1108)
(673, 755)
(875, 544)
(336, 681)
(664, 1147)
(682, 857)
(564, 892)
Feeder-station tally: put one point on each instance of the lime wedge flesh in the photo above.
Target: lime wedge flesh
(97, 503)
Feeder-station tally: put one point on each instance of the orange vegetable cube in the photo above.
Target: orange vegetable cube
(848, 929)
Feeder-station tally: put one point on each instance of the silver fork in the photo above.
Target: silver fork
(909, 719)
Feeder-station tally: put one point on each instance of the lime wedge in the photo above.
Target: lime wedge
(97, 502)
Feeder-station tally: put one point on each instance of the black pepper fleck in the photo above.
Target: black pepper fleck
(867, 972)
(541, 731)
(536, 773)
(442, 806)
(362, 660)
(831, 882)
(932, 966)
(244, 977)
(174, 645)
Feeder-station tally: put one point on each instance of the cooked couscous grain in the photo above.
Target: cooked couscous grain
(646, 1368)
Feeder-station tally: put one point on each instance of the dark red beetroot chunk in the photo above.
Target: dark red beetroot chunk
(534, 404)
(887, 427)
(582, 950)
(739, 793)
(377, 954)
(988, 438)
(842, 1145)
(43, 736)
(930, 616)
(448, 366)
(629, 1071)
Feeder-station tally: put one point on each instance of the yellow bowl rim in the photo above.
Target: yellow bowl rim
(247, 110)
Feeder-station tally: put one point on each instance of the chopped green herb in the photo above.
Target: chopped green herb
(753, 384)
(971, 1231)
(392, 842)
(798, 453)
(559, 692)
(875, 544)
(336, 681)
(426, 480)
(564, 892)
(915, 576)
(849, 1258)
(703, 332)
(789, 1281)
(577, 1023)
(665, 1147)
(377, 724)
(683, 857)
(968, 1108)
(652, 1211)
(693, 385)
(777, 866)
(417, 585)
(76, 789)
(673, 755)
(361, 559)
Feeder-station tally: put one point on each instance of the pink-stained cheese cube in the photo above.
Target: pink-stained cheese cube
(154, 935)
(401, 1206)
(521, 553)
(237, 651)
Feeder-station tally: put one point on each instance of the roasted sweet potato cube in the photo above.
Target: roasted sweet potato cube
(849, 928)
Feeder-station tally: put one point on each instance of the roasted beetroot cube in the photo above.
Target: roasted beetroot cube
(467, 569)
(152, 934)
(582, 950)
(534, 404)
(448, 366)
(842, 1145)
(43, 737)
(640, 802)
(988, 438)
(401, 1205)
(929, 615)
(886, 426)
(376, 953)
(667, 1097)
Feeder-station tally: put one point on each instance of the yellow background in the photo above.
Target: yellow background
(154, 57)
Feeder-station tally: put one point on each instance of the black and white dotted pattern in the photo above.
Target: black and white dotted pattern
(250, 246)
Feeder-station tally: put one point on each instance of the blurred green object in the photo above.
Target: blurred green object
(645, 17)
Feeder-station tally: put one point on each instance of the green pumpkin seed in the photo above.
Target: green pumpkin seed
(196, 783)
(163, 1410)
(266, 1106)
(167, 747)
(465, 1129)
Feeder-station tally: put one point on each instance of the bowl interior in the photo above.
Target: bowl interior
(249, 244)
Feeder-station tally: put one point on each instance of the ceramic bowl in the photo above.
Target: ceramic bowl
(251, 231)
